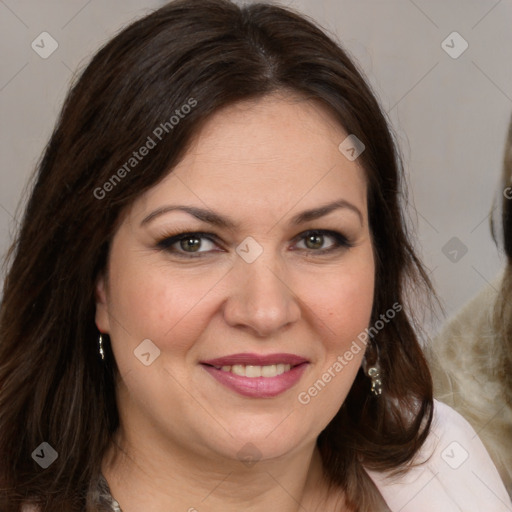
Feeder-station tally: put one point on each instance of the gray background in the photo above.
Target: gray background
(450, 115)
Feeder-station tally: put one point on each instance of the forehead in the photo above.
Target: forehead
(269, 155)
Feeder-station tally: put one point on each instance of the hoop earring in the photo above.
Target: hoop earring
(101, 351)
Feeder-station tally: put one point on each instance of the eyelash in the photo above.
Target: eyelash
(340, 242)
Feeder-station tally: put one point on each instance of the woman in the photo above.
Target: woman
(205, 308)
(472, 356)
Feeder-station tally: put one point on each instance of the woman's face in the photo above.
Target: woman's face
(222, 338)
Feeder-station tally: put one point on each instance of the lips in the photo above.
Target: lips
(275, 373)
(256, 360)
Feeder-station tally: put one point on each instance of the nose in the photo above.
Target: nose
(260, 297)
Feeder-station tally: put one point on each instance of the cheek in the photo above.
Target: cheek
(354, 310)
(343, 315)
(149, 302)
(343, 312)
(343, 306)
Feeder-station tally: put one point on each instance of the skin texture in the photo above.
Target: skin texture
(259, 163)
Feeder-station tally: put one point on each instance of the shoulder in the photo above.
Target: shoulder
(452, 472)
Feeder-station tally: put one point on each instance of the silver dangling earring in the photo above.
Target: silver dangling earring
(373, 372)
(100, 343)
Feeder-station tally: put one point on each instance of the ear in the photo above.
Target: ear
(102, 316)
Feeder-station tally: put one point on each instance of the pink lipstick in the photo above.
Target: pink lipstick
(257, 375)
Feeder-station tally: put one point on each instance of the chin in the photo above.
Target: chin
(250, 441)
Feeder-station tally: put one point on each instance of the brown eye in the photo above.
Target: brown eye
(192, 243)
(188, 244)
(314, 241)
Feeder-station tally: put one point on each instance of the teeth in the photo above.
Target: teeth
(269, 371)
(257, 371)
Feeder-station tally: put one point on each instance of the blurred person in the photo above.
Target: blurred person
(472, 356)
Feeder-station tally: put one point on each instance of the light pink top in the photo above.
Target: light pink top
(459, 474)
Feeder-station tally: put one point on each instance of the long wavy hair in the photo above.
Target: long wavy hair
(53, 385)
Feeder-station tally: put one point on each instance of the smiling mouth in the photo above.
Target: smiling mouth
(257, 375)
(257, 381)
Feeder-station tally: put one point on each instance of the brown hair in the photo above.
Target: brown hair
(53, 385)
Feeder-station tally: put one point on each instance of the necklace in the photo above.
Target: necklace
(105, 498)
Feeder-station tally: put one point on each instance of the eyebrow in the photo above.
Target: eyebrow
(215, 219)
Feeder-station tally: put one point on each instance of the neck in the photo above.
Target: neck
(142, 477)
